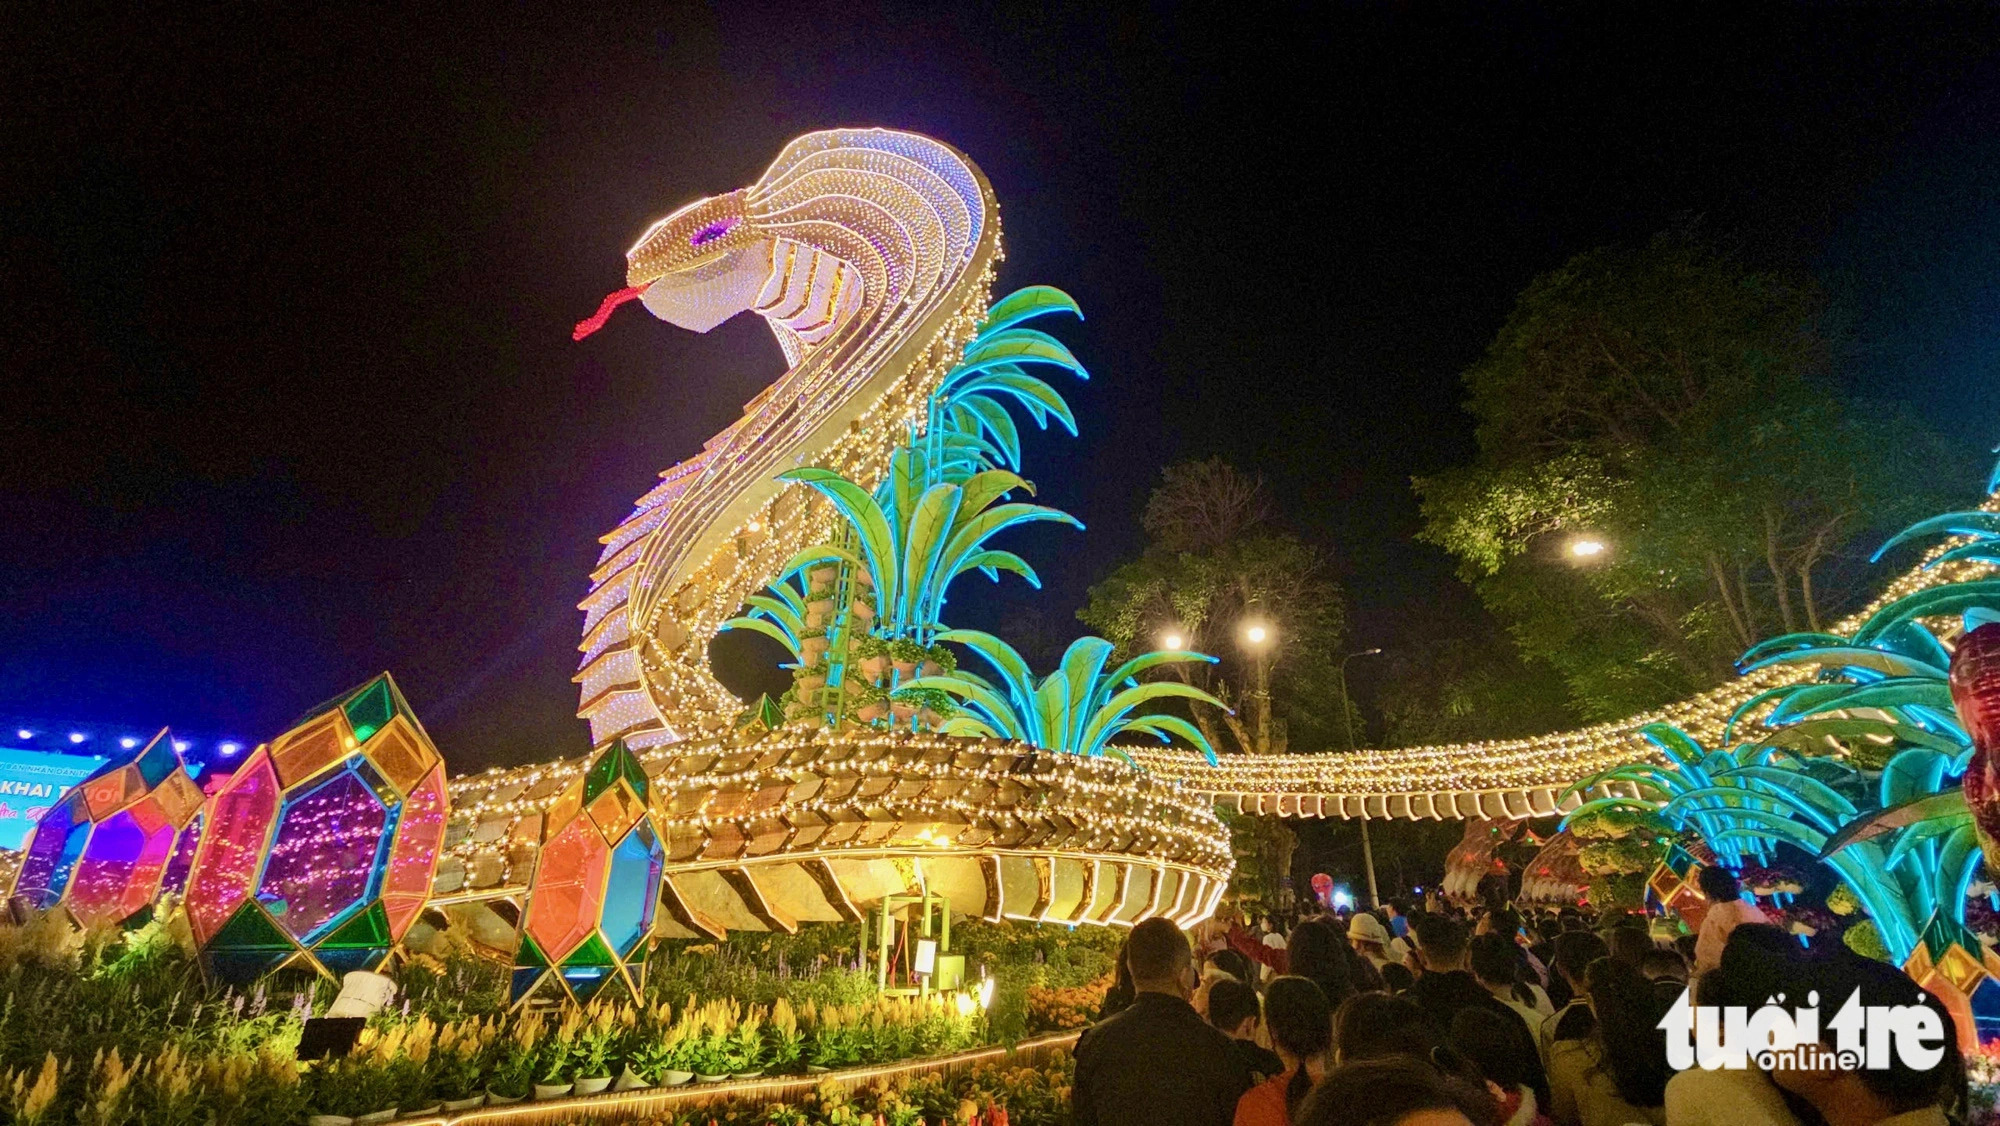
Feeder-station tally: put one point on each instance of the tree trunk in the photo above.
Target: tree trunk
(1729, 603)
(1779, 579)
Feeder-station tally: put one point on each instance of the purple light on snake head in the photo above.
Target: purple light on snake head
(711, 232)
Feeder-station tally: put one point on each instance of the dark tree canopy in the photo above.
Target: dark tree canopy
(1681, 408)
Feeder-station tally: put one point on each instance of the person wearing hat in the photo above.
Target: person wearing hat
(1373, 941)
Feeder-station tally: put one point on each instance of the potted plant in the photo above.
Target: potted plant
(514, 1065)
(785, 1041)
(906, 654)
(745, 1047)
(820, 577)
(464, 1050)
(872, 657)
(874, 705)
(553, 1063)
(592, 1056)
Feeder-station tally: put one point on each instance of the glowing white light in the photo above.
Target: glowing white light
(128, 742)
(1174, 641)
(229, 748)
(986, 992)
(753, 527)
(76, 736)
(1257, 634)
(24, 733)
(182, 744)
(1587, 548)
(1341, 898)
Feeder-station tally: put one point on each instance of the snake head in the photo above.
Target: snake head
(701, 265)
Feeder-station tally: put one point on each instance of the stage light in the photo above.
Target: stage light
(76, 736)
(128, 742)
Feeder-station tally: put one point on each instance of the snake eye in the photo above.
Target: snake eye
(711, 232)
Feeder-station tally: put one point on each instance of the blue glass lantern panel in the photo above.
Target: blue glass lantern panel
(633, 889)
(326, 855)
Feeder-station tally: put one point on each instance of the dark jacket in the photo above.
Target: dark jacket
(1263, 1063)
(1442, 995)
(1157, 1064)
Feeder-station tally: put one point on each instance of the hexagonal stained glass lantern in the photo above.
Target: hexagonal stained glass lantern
(100, 850)
(321, 848)
(596, 885)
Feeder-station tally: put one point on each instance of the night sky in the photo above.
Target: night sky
(290, 396)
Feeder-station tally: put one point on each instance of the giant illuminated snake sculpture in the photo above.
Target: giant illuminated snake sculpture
(870, 254)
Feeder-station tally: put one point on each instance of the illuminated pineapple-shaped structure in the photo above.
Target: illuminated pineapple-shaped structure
(100, 850)
(320, 850)
(596, 885)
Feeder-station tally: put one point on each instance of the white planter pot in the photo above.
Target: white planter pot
(422, 1111)
(676, 1078)
(329, 1120)
(552, 1090)
(628, 1080)
(592, 1086)
(749, 1074)
(494, 1098)
(700, 1078)
(470, 1102)
(375, 1118)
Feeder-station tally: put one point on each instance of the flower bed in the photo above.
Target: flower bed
(111, 1028)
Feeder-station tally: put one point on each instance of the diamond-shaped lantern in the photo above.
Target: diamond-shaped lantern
(596, 885)
(320, 849)
(100, 850)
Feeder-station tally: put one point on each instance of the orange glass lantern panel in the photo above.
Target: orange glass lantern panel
(301, 754)
(569, 889)
(414, 862)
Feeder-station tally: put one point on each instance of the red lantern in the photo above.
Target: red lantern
(1975, 689)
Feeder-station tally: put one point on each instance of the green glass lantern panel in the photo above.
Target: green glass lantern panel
(370, 929)
(635, 774)
(370, 709)
(531, 954)
(603, 772)
(525, 979)
(592, 952)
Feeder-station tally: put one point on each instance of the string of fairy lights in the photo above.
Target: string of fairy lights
(1540, 762)
(829, 794)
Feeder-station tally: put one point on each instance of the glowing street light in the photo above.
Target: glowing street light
(1587, 547)
(1173, 641)
(1257, 634)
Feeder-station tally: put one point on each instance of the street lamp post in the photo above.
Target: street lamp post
(1347, 718)
(1259, 637)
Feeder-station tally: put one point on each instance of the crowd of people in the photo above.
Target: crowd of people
(1415, 1016)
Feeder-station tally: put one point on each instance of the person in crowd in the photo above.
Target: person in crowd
(1506, 1064)
(1445, 986)
(1271, 938)
(1394, 1092)
(1726, 911)
(1301, 1027)
(1377, 1025)
(1544, 950)
(1575, 951)
(1232, 963)
(1496, 965)
(1756, 964)
(1868, 1096)
(1370, 939)
(1629, 944)
(1315, 950)
(1398, 912)
(1157, 1063)
(1684, 946)
(1667, 972)
(1618, 1074)
(1121, 992)
(1234, 1008)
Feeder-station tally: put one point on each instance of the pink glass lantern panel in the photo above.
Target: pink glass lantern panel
(240, 822)
(121, 866)
(323, 857)
(414, 862)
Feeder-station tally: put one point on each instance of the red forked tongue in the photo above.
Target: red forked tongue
(596, 320)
